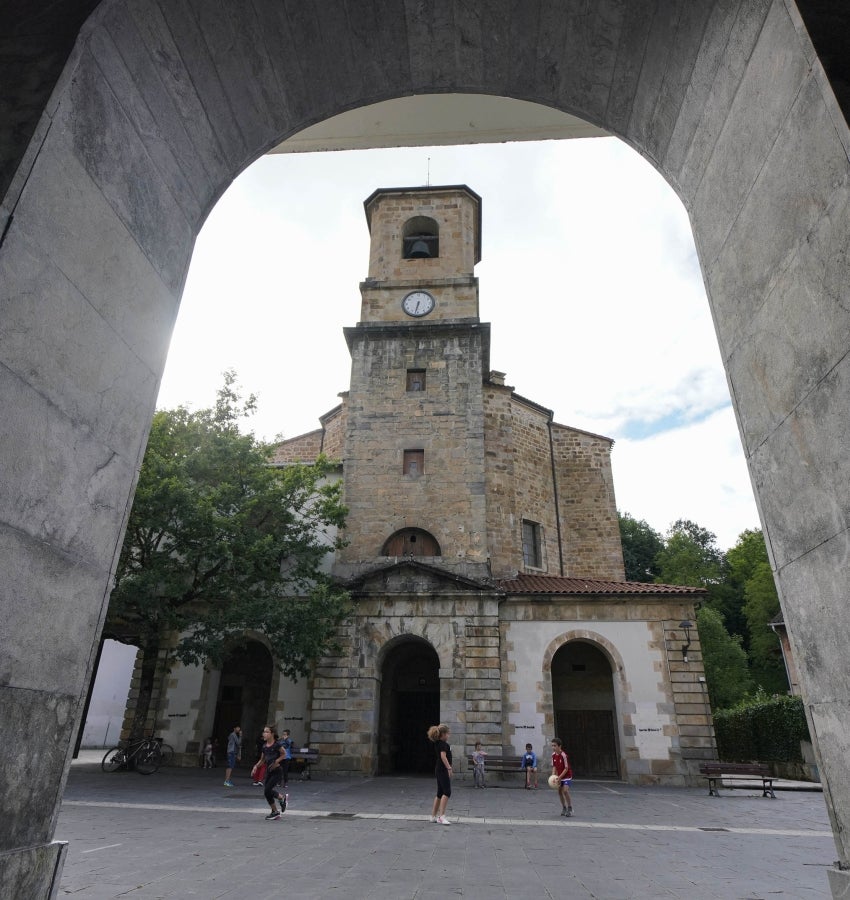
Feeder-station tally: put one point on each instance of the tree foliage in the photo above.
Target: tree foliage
(762, 728)
(751, 575)
(219, 542)
(690, 556)
(724, 659)
(641, 546)
(740, 650)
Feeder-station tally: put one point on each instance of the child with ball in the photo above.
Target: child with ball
(563, 774)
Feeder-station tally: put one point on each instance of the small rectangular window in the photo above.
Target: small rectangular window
(414, 463)
(415, 380)
(531, 554)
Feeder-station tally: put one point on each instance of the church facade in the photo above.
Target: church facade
(483, 555)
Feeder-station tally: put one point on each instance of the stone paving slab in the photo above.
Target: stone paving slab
(181, 833)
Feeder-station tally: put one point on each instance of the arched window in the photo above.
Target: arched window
(411, 542)
(421, 238)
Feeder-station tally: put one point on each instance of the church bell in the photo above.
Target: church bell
(420, 250)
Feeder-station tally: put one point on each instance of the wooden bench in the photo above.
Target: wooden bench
(507, 764)
(302, 761)
(726, 774)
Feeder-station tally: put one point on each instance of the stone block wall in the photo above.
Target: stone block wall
(689, 695)
(589, 527)
(301, 449)
(457, 215)
(305, 448)
(464, 632)
(519, 480)
(445, 421)
(523, 483)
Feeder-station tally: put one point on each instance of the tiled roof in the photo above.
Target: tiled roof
(554, 584)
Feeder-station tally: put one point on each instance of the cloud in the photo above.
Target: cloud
(696, 472)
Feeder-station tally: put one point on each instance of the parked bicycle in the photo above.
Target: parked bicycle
(145, 756)
(166, 751)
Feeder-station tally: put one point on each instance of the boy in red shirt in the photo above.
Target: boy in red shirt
(561, 768)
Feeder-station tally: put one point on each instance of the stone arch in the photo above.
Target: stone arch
(409, 702)
(243, 695)
(587, 708)
(161, 105)
(411, 542)
(420, 237)
(544, 686)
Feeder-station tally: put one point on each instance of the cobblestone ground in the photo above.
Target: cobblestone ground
(181, 833)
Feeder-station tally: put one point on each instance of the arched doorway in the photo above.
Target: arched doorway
(409, 704)
(585, 709)
(243, 695)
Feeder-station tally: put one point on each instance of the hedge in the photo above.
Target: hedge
(761, 730)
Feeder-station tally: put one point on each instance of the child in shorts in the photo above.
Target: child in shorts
(561, 768)
(529, 764)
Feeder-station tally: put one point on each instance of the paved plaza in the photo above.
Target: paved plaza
(181, 833)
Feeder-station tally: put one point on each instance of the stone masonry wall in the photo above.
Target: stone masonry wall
(445, 421)
(455, 213)
(301, 449)
(520, 485)
(305, 448)
(464, 632)
(589, 527)
(502, 517)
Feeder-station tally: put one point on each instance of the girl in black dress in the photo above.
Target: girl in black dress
(439, 734)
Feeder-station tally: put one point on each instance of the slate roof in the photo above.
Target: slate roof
(554, 584)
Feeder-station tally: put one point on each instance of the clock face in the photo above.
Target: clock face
(418, 303)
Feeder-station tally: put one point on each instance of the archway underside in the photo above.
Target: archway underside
(167, 103)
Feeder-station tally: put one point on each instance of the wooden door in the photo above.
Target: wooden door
(590, 741)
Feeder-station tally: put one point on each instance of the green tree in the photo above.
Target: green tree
(751, 577)
(724, 659)
(641, 546)
(219, 542)
(690, 556)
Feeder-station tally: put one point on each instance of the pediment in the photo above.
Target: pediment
(409, 576)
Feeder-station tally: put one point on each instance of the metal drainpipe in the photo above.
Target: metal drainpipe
(557, 504)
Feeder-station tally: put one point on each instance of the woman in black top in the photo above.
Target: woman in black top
(438, 734)
(272, 753)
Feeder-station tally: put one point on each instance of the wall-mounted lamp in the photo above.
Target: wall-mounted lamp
(687, 626)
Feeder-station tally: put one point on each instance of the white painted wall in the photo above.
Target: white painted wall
(643, 675)
(109, 697)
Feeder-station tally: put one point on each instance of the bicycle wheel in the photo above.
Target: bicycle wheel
(148, 760)
(114, 759)
(166, 751)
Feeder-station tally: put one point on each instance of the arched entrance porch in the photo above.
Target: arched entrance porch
(409, 704)
(585, 709)
(243, 696)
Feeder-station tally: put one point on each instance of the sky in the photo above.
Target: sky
(589, 278)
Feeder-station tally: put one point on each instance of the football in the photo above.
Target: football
(553, 781)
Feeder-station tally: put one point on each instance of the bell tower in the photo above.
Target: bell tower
(414, 440)
(425, 244)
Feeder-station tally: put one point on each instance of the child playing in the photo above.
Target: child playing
(478, 765)
(529, 764)
(208, 753)
(561, 768)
